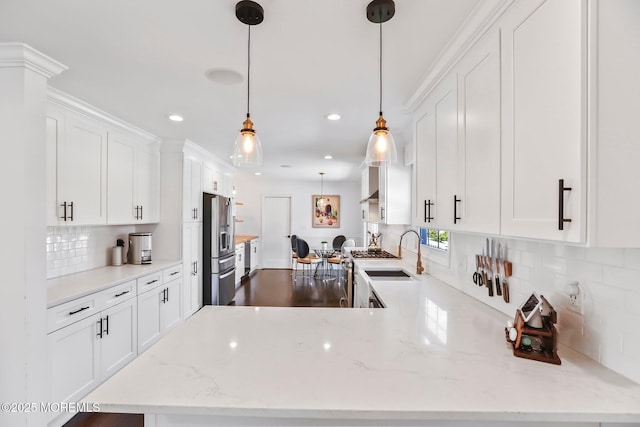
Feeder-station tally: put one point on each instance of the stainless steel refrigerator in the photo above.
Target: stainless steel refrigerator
(218, 250)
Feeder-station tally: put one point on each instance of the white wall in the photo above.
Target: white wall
(251, 189)
(608, 278)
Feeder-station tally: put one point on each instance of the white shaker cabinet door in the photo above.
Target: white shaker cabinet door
(543, 120)
(192, 266)
(192, 189)
(74, 360)
(148, 184)
(149, 329)
(170, 313)
(479, 137)
(437, 157)
(119, 337)
(82, 172)
(121, 179)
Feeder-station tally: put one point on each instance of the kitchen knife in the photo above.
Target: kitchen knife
(489, 281)
(507, 273)
(497, 280)
(484, 268)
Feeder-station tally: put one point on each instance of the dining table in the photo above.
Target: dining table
(323, 270)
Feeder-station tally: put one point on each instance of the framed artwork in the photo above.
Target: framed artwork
(327, 216)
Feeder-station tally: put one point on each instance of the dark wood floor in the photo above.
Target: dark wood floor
(266, 288)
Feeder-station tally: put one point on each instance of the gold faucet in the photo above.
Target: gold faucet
(419, 267)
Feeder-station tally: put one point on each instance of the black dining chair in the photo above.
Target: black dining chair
(302, 250)
(294, 252)
(338, 241)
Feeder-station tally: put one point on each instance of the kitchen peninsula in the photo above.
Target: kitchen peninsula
(432, 354)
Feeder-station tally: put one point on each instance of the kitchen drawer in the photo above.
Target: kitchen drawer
(148, 282)
(117, 294)
(65, 314)
(172, 273)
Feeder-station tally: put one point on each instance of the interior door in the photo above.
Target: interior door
(276, 232)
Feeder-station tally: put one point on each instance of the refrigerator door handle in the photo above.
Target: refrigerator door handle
(227, 274)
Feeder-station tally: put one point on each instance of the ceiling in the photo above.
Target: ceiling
(145, 59)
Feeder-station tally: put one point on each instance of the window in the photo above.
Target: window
(437, 239)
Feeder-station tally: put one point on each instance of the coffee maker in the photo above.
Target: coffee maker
(139, 248)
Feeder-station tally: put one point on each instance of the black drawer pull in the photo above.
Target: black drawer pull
(153, 281)
(71, 313)
(174, 273)
(121, 293)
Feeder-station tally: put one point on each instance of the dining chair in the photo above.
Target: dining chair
(304, 258)
(338, 241)
(294, 252)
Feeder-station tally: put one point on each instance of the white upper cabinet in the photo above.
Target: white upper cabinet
(81, 170)
(96, 174)
(121, 173)
(394, 194)
(148, 183)
(192, 189)
(436, 137)
(479, 137)
(213, 180)
(544, 120)
(133, 180)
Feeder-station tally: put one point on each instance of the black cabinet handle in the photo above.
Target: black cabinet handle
(141, 212)
(215, 185)
(64, 209)
(362, 213)
(456, 218)
(561, 218)
(382, 214)
(427, 210)
(99, 322)
(71, 313)
(121, 293)
(71, 216)
(106, 331)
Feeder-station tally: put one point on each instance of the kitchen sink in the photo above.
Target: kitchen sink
(388, 275)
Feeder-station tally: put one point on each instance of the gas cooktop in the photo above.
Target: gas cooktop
(367, 254)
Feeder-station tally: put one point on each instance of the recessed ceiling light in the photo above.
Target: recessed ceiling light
(258, 173)
(285, 166)
(333, 116)
(176, 118)
(224, 76)
(328, 157)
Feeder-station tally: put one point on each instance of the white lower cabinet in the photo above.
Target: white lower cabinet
(89, 351)
(254, 262)
(239, 262)
(158, 311)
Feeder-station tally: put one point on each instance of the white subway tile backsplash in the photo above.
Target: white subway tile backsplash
(74, 249)
(609, 280)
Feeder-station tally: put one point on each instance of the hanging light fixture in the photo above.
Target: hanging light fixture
(322, 202)
(381, 148)
(248, 149)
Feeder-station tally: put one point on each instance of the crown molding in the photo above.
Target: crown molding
(477, 23)
(20, 55)
(64, 100)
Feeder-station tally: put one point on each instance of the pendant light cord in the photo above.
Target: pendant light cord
(248, 68)
(380, 63)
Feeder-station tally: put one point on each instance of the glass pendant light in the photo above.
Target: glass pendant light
(248, 149)
(322, 202)
(381, 148)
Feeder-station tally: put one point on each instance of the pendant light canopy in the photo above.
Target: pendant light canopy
(248, 149)
(321, 201)
(381, 148)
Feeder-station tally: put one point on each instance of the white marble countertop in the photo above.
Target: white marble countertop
(67, 288)
(432, 354)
